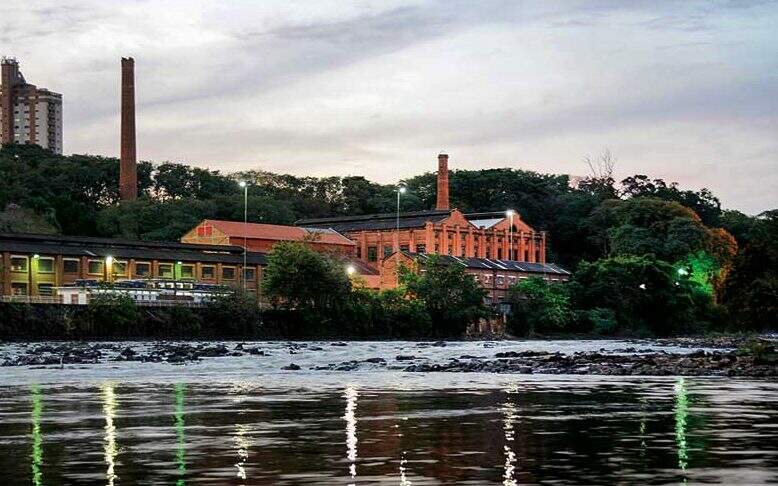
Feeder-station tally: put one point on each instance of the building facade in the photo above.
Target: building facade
(35, 265)
(28, 114)
(442, 231)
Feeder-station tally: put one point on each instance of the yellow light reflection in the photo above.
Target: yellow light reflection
(109, 442)
(510, 415)
(351, 431)
(681, 414)
(37, 438)
(178, 414)
(403, 480)
(242, 444)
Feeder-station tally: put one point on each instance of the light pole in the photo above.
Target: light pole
(400, 190)
(245, 226)
(510, 214)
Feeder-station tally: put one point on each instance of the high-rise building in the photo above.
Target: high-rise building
(28, 114)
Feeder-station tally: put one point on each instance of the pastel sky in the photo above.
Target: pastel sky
(682, 90)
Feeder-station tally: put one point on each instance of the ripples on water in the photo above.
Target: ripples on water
(387, 427)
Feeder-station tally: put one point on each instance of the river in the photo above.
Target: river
(244, 420)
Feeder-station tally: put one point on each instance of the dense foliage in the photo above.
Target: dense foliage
(605, 230)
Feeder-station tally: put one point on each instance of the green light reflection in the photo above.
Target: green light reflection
(180, 390)
(37, 437)
(681, 415)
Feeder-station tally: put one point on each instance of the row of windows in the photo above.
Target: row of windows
(372, 251)
(120, 268)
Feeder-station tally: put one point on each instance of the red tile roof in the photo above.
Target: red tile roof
(278, 232)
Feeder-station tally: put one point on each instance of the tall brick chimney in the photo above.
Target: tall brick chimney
(128, 167)
(442, 182)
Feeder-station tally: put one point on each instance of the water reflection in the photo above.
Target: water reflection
(561, 431)
(109, 409)
(509, 412)
(681, 414)
(179, 389)
(37, 437)
(351, 431)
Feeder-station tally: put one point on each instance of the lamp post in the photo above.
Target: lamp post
(510, 214)
(245, 227)
(400, 190)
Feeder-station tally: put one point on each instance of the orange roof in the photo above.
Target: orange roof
(278, 232)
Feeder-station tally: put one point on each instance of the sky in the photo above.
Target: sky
(682, 90)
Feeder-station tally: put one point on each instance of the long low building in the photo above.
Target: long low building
(35, 265)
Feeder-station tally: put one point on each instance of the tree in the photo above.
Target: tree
(751, 291)
(297, 277)
(645, 294)
(17, 219)
(540, 307)
(666, 229)
(453, 299)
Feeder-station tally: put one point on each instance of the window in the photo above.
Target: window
(372, 253)
(208, 273)
(166, 270)
(511, 280)
(404, 248)
(421, 248)
(187, 271)
(388, 250)
(142, 269)
(228, 273)
(70, 265)
(45, 265)
(500, 280)
(203, 231)
(499, 253)
(18, 288)
(119, 268)
(95, 267)
(359, 252)
(249, 274)
(18, 264)
(46, 289)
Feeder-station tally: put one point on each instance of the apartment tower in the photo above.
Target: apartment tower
(28, 114)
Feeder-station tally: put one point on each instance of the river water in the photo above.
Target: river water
(243, 420)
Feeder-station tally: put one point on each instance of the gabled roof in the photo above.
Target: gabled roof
(237, 229)
(491, 264)
(370, 222)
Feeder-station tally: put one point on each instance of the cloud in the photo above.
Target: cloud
(681, 90)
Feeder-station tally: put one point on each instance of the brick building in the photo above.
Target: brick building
(262, 237)
(442, 231)
(28, 114)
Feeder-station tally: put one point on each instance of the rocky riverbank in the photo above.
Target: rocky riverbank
(634, 357)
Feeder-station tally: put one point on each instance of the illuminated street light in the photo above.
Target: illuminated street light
(509, 213)
(245, 228)
(109, 260)
(351, 270)
(400, 190)
(35, 256)
(642, 286)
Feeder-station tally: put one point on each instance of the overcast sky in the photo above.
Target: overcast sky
(682, 90)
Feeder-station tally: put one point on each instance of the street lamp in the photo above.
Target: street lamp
(400, 190)
(510, 214)
(108, 268)
(350, 270)
(245, 227)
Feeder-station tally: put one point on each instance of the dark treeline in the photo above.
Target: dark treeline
(598, 227)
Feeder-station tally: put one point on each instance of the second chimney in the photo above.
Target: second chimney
(442, 182)
(128, 170)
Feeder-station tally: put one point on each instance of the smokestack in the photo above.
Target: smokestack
(128, 169)
(442, 182)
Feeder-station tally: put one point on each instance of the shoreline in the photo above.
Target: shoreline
(638, 357)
